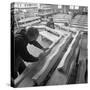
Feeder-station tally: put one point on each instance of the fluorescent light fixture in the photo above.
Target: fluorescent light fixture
(59, 6)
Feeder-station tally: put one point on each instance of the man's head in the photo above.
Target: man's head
(66, 24)
(32, 33)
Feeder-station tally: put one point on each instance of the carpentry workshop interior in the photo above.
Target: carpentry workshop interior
(63, 31)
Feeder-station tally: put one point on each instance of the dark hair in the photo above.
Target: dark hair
(66, 24)
(32, 32)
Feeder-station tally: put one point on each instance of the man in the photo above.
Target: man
(21, 54)
(50, 23)
(66, 24)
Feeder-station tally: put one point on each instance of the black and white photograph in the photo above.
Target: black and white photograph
(49, 44)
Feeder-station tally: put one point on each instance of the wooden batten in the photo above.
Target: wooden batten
(65, 62)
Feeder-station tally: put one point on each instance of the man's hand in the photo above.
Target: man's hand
(42, 55)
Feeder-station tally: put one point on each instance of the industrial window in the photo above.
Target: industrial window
(76, 7)
(71, 7)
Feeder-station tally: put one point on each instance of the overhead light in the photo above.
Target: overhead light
(59, 6)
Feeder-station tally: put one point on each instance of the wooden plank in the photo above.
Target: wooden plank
(72, 72)
(49, 36)
(30, 23)
(21, 77)
(63, 29)
(82, 61)
(81, 71)
(29, 19)
(66, 58)
(53, 31)
(82, 27)
(57, 32)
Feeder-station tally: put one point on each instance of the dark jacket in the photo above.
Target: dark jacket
(21, 42)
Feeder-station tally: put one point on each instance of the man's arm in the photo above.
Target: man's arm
(35, 43)
(22, 50)
(27, 57)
